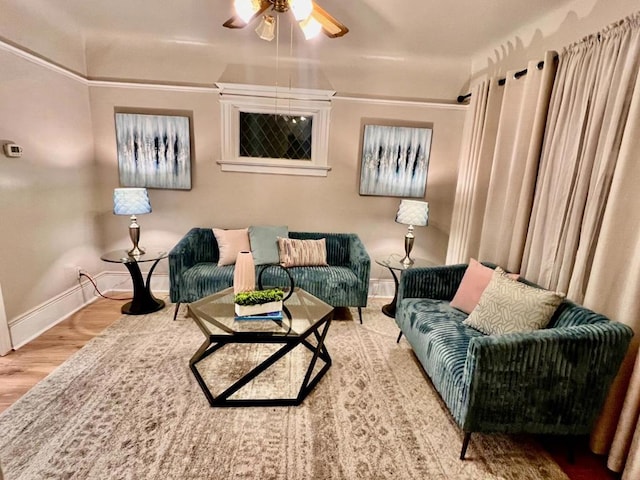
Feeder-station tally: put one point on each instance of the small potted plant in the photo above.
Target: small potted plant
(256, 302)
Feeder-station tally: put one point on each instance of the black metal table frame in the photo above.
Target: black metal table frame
(214, 343)
(390, 309)
(143, 301)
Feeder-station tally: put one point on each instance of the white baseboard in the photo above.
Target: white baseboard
(30, 325)
(381, 288)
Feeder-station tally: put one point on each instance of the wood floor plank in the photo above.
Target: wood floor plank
(20, 370)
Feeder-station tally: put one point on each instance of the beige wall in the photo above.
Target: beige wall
(46, 197)
(567, 24)
(56, 200)
(232, 200)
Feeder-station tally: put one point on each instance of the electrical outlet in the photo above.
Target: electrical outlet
(79, 272)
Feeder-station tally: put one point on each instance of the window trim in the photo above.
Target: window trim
(236, 98)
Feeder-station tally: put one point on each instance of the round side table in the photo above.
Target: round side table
(143, 300)
(394, 264)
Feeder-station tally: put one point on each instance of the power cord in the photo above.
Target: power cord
(95, 286)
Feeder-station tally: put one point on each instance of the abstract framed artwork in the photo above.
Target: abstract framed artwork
(395, 161)
(154, 151)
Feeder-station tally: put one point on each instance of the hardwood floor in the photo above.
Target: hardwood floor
(22, 369)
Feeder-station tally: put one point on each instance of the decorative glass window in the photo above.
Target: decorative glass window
(268, 130)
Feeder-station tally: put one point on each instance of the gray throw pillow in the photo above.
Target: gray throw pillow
(508, 306)
(264, 243)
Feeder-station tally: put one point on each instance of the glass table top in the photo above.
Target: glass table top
(215, 315)
(122, 256)
(393, 261)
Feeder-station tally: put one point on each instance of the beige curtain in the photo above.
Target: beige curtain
(468, 208)
(502, 141)
(584, 233)
(515, 164)
(614, 284)
(588, 110)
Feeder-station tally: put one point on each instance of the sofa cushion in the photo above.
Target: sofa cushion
(332, 284)
(440, 340)
(264, 243)
(205, 279)
(475, 280)
(508, 306)
(302, 253)
(230, 243)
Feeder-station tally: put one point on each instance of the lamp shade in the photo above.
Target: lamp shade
(413, 212)
(131, 201)
(267, 28)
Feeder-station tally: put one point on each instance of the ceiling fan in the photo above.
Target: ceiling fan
(309, 15)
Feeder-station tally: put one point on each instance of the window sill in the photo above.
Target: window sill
(270, 168)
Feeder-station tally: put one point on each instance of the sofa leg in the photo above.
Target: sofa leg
(465, 444)
(175, 314)
(360, 314)
(399, 337)
(571, 450)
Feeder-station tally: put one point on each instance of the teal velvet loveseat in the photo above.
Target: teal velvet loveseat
(549, 381)
(194, 272)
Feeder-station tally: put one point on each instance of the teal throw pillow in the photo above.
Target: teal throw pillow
(264, 243)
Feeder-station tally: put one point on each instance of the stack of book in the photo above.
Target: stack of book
(262, 316)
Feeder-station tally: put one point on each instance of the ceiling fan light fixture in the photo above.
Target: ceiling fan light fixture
(246, 9)
(267, 28)
(311, 17)
(310, 27)
(301, 9)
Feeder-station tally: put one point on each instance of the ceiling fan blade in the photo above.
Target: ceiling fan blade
(237, 22)
(331, 27)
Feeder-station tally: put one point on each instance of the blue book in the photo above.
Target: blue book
(262, 316)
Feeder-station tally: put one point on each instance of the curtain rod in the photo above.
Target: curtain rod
(502, 81)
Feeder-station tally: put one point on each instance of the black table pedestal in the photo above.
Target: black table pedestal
(143, 301)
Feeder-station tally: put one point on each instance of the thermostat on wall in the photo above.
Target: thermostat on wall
(12, 150)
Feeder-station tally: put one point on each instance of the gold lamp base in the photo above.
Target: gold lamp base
(134, 233)
(407, 261)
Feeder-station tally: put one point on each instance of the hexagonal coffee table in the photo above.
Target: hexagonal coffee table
(305, 323)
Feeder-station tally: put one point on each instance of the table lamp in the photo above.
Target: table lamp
(132, 201)
(412, 213)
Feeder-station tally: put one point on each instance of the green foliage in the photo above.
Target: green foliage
(258, 297)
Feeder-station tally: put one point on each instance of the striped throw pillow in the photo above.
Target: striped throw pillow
(302, 253)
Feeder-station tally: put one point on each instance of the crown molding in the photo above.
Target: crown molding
(219, 87)
(40, 60)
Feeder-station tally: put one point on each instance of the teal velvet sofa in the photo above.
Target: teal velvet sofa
(194, 272)
(550, 381)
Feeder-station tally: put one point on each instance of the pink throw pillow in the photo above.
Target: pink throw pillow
(475, 280)
(230, 243)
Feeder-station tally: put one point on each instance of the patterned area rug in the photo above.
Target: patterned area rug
(126, 406)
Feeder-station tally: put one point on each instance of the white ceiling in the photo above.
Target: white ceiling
(377, 27)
